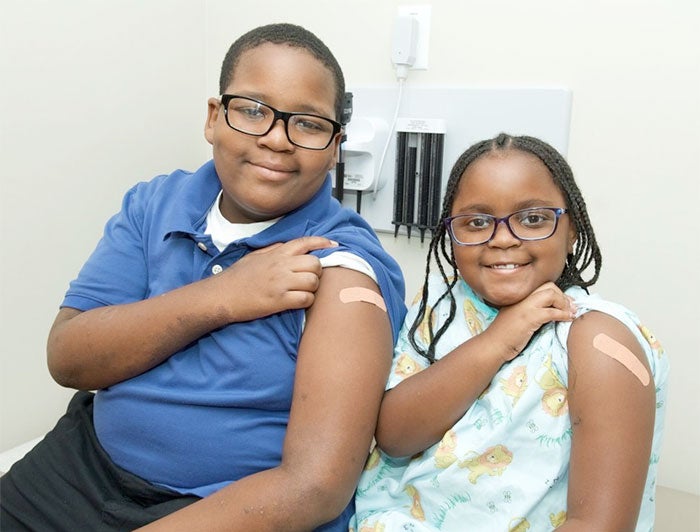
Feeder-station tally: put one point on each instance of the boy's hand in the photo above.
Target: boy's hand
(279, 277)
(515, 324)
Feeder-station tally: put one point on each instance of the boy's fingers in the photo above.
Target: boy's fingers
(304, 244)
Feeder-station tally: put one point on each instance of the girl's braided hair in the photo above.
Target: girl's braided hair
(586, 250)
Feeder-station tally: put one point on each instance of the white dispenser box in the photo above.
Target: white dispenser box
(363, 148)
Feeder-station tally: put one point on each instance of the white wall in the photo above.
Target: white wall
(96, 95)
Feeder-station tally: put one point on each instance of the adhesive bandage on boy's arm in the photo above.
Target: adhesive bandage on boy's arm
(345, 259)
(614, 349)
(357, 293)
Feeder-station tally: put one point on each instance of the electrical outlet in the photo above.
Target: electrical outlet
(422, 15)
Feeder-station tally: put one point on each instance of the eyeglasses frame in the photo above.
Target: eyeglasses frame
(558, 211)
(279, 115)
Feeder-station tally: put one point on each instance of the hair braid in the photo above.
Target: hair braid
(441, 246)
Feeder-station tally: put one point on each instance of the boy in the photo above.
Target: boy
(238, 371)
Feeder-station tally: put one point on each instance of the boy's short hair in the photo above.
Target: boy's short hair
(291, 35)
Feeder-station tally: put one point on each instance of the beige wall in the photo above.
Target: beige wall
(96, 95)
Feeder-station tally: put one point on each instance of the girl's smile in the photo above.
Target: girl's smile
(506, 267)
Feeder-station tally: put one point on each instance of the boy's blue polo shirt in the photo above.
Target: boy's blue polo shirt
(217, 410)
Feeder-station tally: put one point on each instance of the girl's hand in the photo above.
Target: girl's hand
(515, 324)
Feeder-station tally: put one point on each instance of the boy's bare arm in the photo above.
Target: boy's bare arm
(100, 347)
(343, 364)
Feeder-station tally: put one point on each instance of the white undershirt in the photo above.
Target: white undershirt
(223, 232)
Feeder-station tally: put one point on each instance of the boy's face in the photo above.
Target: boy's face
(266, 177)
(506, 270)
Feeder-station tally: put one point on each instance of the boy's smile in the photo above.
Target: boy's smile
(505, 270)
(264, 177)
(273, 171)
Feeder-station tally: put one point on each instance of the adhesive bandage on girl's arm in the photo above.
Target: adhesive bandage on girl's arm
(358, 293)
(614, 349)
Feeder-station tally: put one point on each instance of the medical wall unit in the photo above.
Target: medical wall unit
(396, 162)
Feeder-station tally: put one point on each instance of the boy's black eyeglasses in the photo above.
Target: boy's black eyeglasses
(252, 117)
(527, 224)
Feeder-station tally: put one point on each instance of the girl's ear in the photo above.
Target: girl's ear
(573, 236)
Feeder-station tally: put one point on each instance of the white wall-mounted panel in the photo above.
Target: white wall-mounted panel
(470, 114)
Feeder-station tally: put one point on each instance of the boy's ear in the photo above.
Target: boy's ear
(336, 151)
(213, 106)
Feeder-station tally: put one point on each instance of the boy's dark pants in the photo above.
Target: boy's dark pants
(69, 483)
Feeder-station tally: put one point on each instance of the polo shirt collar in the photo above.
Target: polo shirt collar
(191, 200)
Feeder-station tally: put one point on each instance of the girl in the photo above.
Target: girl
(517, 400)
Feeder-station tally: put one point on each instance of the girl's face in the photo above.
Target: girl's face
(266, 177)
(505, 270)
